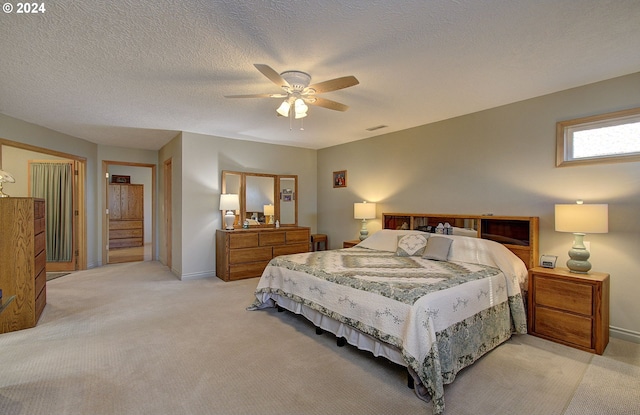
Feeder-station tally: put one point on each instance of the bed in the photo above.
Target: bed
(432, 302)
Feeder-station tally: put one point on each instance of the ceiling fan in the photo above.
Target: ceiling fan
(298, 92)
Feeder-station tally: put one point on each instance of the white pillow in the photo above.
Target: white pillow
(385, 239)
(411, 245)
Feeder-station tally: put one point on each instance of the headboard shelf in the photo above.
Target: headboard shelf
(518, 233)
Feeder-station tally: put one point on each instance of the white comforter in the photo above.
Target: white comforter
(373, 290)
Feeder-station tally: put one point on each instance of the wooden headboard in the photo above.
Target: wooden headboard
(518, 233)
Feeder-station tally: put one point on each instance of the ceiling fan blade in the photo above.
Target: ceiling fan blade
(327, 103)
(270, 73)
(257, 96)
(334, 84)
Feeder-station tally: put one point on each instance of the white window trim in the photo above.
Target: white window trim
(563, 147)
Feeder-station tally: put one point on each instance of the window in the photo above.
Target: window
(605, 138)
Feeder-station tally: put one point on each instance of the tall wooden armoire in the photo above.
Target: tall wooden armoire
(23, 261)
(126, 215)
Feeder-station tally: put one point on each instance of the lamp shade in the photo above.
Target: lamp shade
(582, 218)
(364, 210)
(229, 202)
(6, 177)
(268, 210)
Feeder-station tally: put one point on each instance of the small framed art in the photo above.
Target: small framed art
(120, 179)
(287, 195)
(340, 178)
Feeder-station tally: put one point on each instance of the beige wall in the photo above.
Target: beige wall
(200, 181)
(499, 161)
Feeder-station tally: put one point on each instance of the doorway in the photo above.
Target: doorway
(15, 157)
(129, 225)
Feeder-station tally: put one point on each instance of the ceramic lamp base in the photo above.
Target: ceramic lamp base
(578, 255)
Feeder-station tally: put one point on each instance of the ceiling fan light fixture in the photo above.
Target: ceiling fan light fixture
(284, 108)
(300, 106)
(300, 109)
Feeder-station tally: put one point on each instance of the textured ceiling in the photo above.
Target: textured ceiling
(133, 73)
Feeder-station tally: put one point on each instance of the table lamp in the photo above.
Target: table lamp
(268, 212)
(581, 219)
(364, 211)
(229, 203)
(5, 177)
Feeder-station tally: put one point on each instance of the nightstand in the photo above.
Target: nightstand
(351, 243)
(569, 308)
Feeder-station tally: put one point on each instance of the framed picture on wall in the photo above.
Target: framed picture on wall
(120, 179)
(340, 178)
(287, 195)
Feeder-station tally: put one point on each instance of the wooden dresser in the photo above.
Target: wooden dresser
(23, 261)
(570, 308)
(244, 253)
(126, 215)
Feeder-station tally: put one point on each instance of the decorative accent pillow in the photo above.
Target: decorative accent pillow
(437, 248)
(411, 245)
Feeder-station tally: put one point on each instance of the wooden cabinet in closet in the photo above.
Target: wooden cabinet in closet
(126, 215)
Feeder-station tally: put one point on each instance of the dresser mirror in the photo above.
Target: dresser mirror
(288, 194)
(264, 198)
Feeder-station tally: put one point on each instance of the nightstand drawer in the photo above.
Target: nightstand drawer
(566, 327)
(568, 296)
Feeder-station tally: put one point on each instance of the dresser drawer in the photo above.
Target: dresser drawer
(251, 270)
(243, 240)
(41, 301)
(39, 243)
(297, 236)
(125, 224)
(272, 238)
(40, 262)
(570, 328)
(39, 209)
(241, 256)
(125, 243)
(41, 282)
(125, 233)
(39, 226)
(290, 249)
(563, 295)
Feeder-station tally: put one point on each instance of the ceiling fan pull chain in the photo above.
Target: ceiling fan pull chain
(301, 124)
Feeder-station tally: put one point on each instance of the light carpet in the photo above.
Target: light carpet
(609, 387)
(54, 275)
(132, 339)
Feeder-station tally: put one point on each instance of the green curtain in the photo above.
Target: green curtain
(53, 182)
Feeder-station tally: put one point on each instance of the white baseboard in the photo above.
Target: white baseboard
(624, 334)
(197, 275)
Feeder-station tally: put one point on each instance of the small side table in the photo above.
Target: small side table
(351, 243)
(570, 308)
(316, 240)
